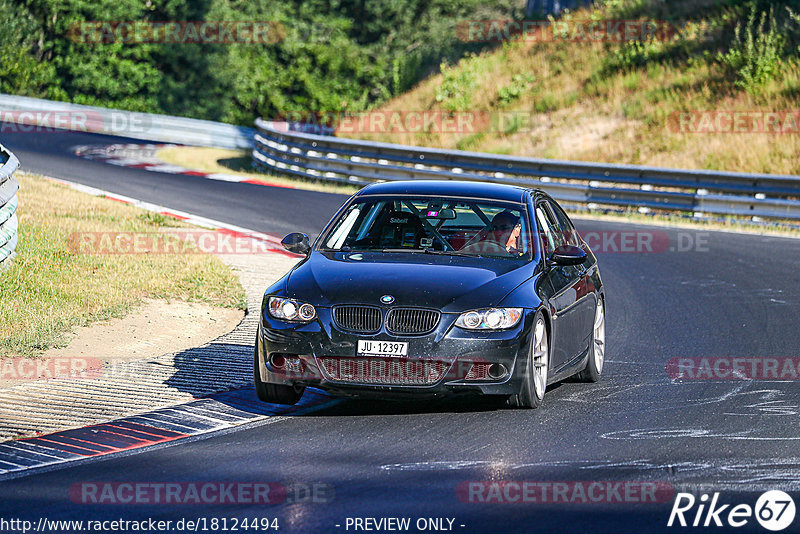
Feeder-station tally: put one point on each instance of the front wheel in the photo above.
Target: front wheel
(597, 350)
(534, 383)
(273, 393)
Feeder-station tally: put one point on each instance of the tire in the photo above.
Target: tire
(534, 384)
(597, 349)
(273, 393)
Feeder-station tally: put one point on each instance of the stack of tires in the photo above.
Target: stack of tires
(9, 225)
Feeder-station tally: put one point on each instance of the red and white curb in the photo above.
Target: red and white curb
(216, 413)
(269, 242)
(223, 364)
(145, 157)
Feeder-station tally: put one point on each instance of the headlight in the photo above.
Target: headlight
(489, 319)
(291, 310)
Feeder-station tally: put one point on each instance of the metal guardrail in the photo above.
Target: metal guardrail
(30, 112)
(283, 148)
(9, 224)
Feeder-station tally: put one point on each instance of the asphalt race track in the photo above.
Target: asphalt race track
(700, 295)
(250, 206)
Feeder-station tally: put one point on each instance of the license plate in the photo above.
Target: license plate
(382, 348)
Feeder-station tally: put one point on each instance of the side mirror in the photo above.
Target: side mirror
(568, 255)
(297, 243)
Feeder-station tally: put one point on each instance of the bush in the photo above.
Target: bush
(796, 18)
(21, 68)
(333, 56)
(754, 57)
(631, 55)
(458, 83)
(520, 84)
(546, 103)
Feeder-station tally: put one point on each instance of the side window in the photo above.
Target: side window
(550, 237)
(346, 224)
(565, 226)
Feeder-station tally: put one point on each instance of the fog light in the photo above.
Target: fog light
(477, 371)
(294, 364)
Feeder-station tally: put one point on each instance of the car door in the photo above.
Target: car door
(564, 282)
(586, 300)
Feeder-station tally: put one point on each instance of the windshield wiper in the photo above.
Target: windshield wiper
(430, 251)
(413, 251)
(468, 254)
(449, 253)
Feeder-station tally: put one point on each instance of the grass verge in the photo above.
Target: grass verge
(50, 289)
(677, 220)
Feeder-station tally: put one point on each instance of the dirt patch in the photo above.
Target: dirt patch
(156, 327)
(588, 135)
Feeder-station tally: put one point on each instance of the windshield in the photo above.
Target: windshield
(432, 225)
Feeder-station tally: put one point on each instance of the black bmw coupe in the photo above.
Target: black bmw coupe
(431, 288)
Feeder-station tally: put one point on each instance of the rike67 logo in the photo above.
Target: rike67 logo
(774, 510)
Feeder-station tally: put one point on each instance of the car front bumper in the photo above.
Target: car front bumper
(454, 352)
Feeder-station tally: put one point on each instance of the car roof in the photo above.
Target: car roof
(484, 190)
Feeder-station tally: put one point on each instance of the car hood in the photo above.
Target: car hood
(449, 283)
